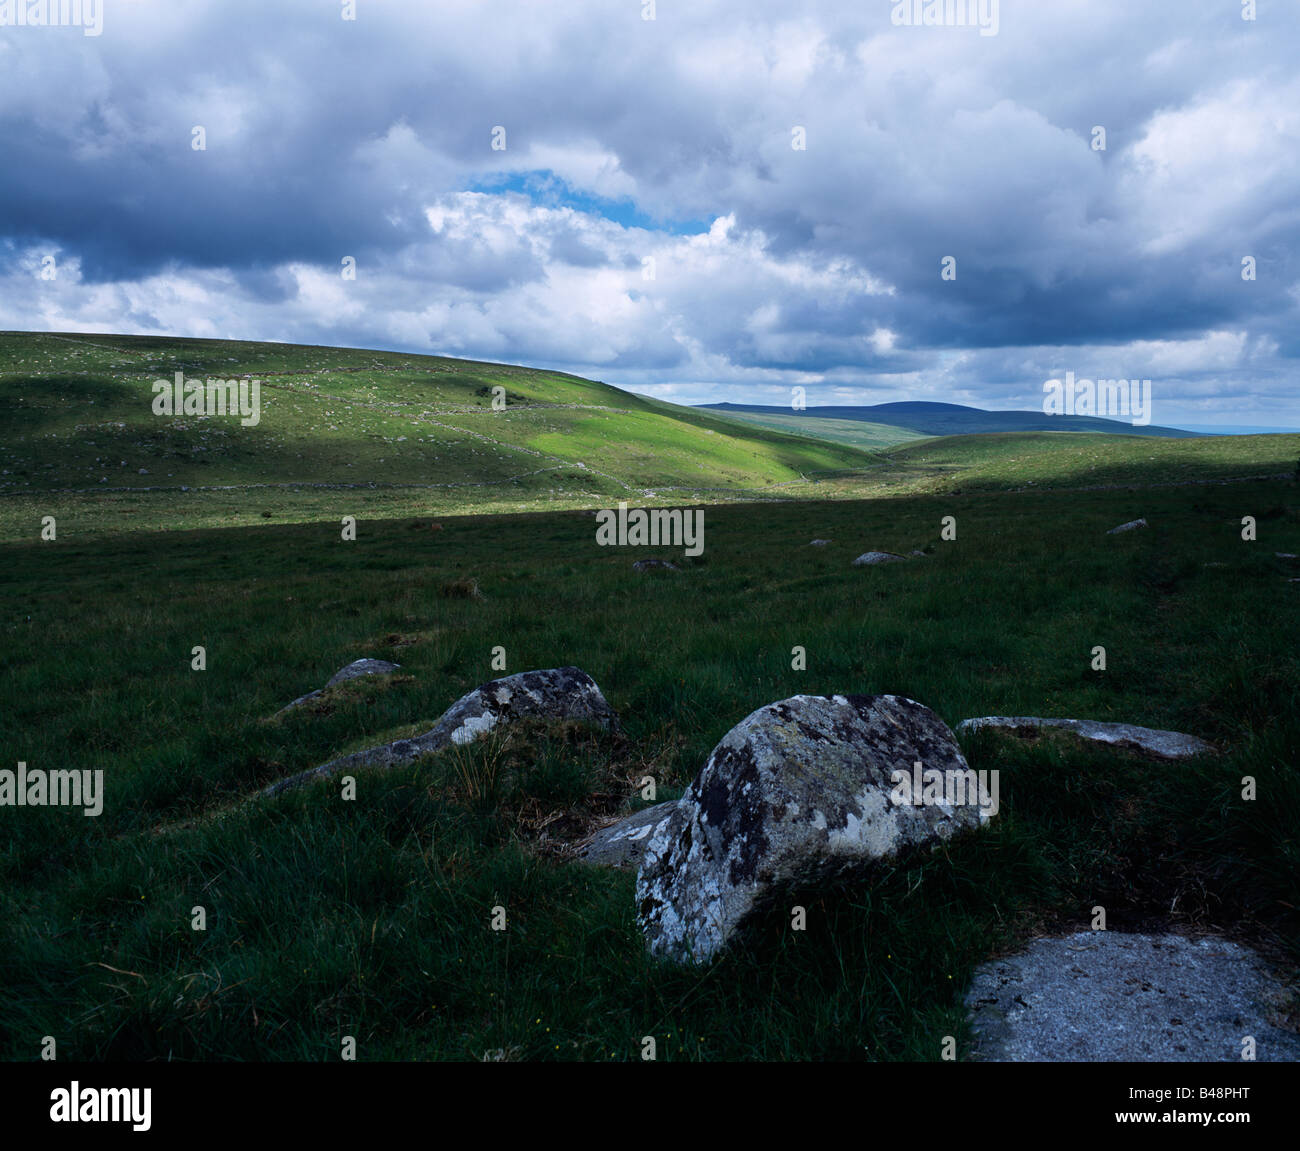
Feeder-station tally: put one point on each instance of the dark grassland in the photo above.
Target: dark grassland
(371, 918)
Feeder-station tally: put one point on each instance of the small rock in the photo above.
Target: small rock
(917, 552)
(1128, 527)
(554, 693)
(1107, 996)
(650, 565)
(819, 543)
(1286, 555)
(867, 558)
(798, 792)
(1152, 741)
(359, 667)
(356, 668)
(624, 844)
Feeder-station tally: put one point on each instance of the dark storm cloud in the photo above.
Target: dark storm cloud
(372, 139)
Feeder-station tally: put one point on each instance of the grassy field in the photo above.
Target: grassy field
(370, 917)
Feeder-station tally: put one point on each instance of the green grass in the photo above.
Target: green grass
(371, 918)
(855, 433)
(342, 429)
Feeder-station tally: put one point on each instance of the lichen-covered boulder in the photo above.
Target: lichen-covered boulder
(802, 791)
(555, 693)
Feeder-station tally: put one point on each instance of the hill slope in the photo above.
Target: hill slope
(931, 419)
(76, 415)
(383, 435)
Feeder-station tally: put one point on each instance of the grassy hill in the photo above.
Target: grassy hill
(76, 419)
(996, 461)
(930, 419)
(385, 434)
(856, 433)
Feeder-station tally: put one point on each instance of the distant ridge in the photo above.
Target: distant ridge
(934, 419)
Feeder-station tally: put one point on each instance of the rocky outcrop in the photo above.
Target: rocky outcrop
(1148, 740)
(802, 791)
(556, 693)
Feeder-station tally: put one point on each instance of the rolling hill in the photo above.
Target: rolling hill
(931, 419)
(383, 435)
(77, 419)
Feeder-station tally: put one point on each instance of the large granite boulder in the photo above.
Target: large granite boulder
(803, 791)
(1148, 740)
(556, 693)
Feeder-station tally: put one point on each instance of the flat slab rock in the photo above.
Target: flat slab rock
(623, 844)
(1128, 527)
(357, 668)
(801, 791)
(1152, 741)
(867, 559)
(1106, 996)
(554, 693)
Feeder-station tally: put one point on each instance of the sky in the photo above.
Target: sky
(701, 200)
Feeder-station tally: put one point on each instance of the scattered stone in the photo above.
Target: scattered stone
(1106, 996)
(358, 667)
(1152, 741)
(624, 843)
(1286, 555)
(917, 552)
(1128, 527)
(819, 543)
(799, 792)
(650, 565)
(554, 693)
(867, 558)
